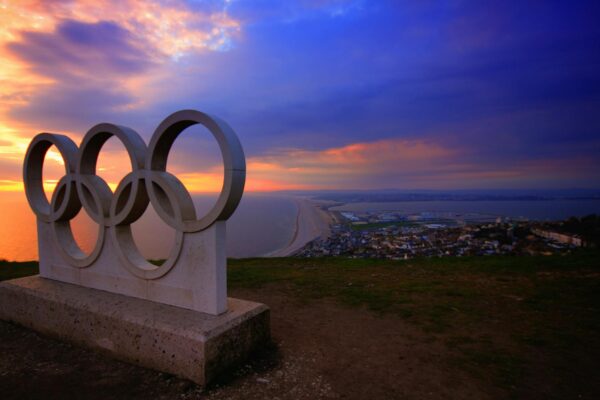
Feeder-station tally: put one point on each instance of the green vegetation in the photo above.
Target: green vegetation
(496, 314)
(587, 227)
(435, 292)
(12, 269)
(379, 225)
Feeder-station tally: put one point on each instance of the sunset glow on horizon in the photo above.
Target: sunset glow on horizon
(324, 94)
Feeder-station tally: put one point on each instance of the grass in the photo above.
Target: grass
(495, 314)
(436, 291)
(398, 224)
(492, 313)
(378, 225)
(12, 269)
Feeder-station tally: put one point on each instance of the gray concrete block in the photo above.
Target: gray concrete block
(183, 342)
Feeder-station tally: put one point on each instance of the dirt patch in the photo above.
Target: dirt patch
(356, 354)
(321, 350)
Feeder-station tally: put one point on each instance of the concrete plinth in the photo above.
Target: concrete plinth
(179, 341)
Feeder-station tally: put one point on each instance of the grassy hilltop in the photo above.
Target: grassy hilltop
(516, 326)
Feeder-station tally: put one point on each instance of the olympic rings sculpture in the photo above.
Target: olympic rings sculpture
(148, 182)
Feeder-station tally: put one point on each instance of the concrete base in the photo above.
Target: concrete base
(179, 341)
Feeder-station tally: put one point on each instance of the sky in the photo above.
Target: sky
(324, 94)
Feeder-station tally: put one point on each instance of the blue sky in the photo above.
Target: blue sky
(323, 94)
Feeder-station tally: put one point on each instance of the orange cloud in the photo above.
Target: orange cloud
(393, 163)
(202, 182)
(404, 163)
(162, 31)
(13, 145)
(346, 166)
(8, 185)
(170, 28)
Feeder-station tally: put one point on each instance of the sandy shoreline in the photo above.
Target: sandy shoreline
(311, 223)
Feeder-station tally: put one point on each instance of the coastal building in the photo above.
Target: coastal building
(559, 237)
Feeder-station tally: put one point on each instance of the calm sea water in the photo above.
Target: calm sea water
(261, 224)
(534, 210)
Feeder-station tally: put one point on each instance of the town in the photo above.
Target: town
(392, 235)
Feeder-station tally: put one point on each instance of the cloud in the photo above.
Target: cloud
(412, 164)
(70, 64)
(85, 63)
(171, 28)
(384, 163)
(77, 105)
(267, 11)
(76, 50)
(50, 43)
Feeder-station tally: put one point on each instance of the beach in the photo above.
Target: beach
(312, 223)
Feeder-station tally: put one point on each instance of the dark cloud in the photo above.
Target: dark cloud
(77, 50)
(89, 62)
(73, 107)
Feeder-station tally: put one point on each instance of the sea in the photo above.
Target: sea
(262, 223)
(535, 210)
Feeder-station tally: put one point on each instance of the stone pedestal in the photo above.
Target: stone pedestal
(187, 343)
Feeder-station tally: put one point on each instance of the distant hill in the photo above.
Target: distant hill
(393, 195)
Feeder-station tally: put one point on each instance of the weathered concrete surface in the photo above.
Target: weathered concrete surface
(183, 342)
(198, 281)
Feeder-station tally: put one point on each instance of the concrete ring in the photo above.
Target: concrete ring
(65, 204)
(33, 170)
(68, 247)
(94, 192)
(234, 169)
(132, 259)
(125, 212)
(170, 199)
(125, 208)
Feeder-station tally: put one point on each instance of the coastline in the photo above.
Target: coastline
(311, 223)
